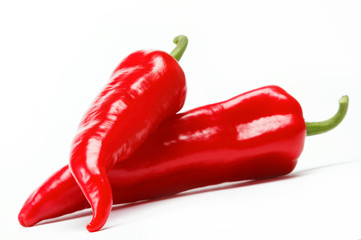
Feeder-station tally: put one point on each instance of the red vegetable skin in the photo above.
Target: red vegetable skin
(256, 135)
(144, 89)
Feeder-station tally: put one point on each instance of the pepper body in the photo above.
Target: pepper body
(256, 135)
(144, 89)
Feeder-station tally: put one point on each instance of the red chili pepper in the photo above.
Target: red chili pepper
(144, 89)
(256, 135)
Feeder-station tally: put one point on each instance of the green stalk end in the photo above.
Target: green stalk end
(314, 128)
(181, 41)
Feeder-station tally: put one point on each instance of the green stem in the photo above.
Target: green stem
(314, 128)
(182, 42)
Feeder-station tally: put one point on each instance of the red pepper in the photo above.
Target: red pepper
(256, 135)
(146, 87)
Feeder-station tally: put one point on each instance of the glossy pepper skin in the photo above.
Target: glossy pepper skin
(256, 135)
(146, 88)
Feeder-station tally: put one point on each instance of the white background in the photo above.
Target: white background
(56, 56)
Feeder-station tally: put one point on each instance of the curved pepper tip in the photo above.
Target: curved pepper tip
(21, 219)
(100, 216)
(101, 207)
(92, 228)
(96, 224)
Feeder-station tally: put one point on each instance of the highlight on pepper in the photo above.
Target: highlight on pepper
(212, 144)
